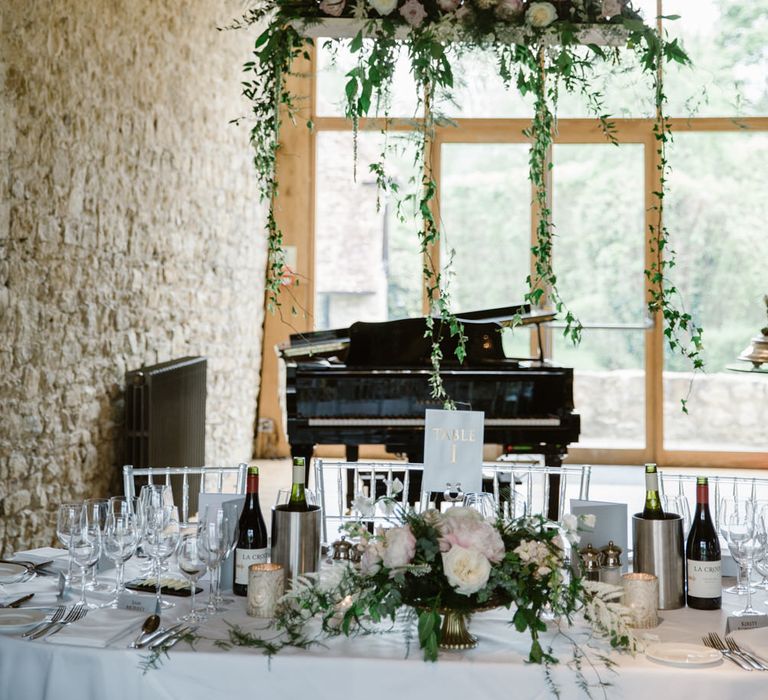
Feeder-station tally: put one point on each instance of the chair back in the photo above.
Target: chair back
(211, 480)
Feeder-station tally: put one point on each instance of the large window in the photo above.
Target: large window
(365, 263)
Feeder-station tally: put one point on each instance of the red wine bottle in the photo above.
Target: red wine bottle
(652, 509)
(702, 553)
(252, 538)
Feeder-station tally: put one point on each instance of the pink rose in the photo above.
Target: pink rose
(611, 8)
(448, 5)
(413, 12)
(334, 8)
(399, 547)
(509, 9)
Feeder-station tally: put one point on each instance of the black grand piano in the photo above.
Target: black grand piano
(369, 384)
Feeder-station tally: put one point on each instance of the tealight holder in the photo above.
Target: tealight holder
(266, 584)
(641, 596)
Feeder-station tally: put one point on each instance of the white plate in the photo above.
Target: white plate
(11, 573)
(679, 654)
(12, 620)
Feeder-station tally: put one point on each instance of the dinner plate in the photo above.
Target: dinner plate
(679, 654)
(13, 620)
(11, 573)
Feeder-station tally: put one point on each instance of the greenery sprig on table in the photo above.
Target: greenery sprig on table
(540, 48)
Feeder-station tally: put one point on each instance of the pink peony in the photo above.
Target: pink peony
(334, 8)
(448, 5)
(464, 527)
(413, 12)
(399, 547)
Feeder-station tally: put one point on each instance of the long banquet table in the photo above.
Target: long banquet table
(374, 667)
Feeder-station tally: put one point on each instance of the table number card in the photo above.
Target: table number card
(453, 450)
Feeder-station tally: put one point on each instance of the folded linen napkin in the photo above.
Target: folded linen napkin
(98, 628)
(59, 558)
(754, 641)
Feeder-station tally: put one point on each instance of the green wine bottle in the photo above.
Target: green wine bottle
(652, 509)
(298, 499)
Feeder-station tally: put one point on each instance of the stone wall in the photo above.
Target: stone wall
(130, 233)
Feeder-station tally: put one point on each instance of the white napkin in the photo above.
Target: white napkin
(754, 641)
(58, 557)
(98, 628)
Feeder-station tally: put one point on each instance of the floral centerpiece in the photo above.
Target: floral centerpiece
(453, 564)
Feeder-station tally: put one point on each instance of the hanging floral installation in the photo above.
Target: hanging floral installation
(539, 48)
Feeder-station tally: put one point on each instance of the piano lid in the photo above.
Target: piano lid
(402, 343)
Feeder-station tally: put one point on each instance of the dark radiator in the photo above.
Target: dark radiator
(165, 415)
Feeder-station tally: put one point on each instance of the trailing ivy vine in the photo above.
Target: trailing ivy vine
(540, 47)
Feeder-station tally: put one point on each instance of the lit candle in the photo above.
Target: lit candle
(265, 587)
(641, 596)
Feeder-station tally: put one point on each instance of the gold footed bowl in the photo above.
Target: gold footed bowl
(454, 634)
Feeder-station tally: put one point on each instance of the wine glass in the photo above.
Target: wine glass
(85, 546)
(726, 509)
(745, 534)
(192, 560)
(151, 496)
(161, 535)
(95, 512)
(220, 531)
(121, 536)
(67, 522)
(483, 503)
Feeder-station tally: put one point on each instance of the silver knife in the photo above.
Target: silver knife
(172, 638)
(155, 637)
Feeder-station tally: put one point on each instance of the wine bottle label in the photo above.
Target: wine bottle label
(244, 558)
(298, 473)
(652, 482)
(705, 579)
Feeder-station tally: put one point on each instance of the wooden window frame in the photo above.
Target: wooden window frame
(296, 216)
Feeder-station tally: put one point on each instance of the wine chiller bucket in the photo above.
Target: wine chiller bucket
(658, 549)
(296, 540)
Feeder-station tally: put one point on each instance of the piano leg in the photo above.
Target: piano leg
(352, 453)
(554, 459)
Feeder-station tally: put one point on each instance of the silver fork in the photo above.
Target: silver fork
(736, 649)
(58, 613)
(75, 613)
(713, 641)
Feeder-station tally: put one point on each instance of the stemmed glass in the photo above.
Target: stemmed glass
(161, 535)
(745, 534)
(121, 536)
(192, 561)
(95, 510)
(219, 530)
(483, 503)
(67, 522)
(85, 548)
(152, 496)
(725, 511)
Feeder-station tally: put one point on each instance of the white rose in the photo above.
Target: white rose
(570, 522)
(399, 547)
(466, 569)
(587, 521)
(541, 14)
(383, 7)
(459, 513)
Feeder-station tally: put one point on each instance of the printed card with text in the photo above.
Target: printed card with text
(453, 450)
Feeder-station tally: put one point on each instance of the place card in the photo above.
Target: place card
(128, 600)
(745, 622)
(453, 450)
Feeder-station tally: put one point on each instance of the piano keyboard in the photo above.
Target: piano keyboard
(419, 422)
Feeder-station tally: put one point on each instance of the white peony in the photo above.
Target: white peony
(399, 547)
(383, 7)
(364, 505)
(466, 569)
(459, 513)
(541, 14)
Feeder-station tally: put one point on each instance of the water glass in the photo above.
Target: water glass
(745, 534)
(85, 548)
(161, 535)
(219, 531)
(67, 523)
(192, 560)
(95, 512)
(121, 536)
(483, 503)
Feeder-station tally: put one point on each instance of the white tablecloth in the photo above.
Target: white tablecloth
(375, 667)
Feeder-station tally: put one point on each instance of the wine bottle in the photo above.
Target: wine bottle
(298, 499)
(702, 553)
(652, 509)
(252, 538)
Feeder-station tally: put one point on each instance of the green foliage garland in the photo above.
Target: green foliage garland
(541, 47)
